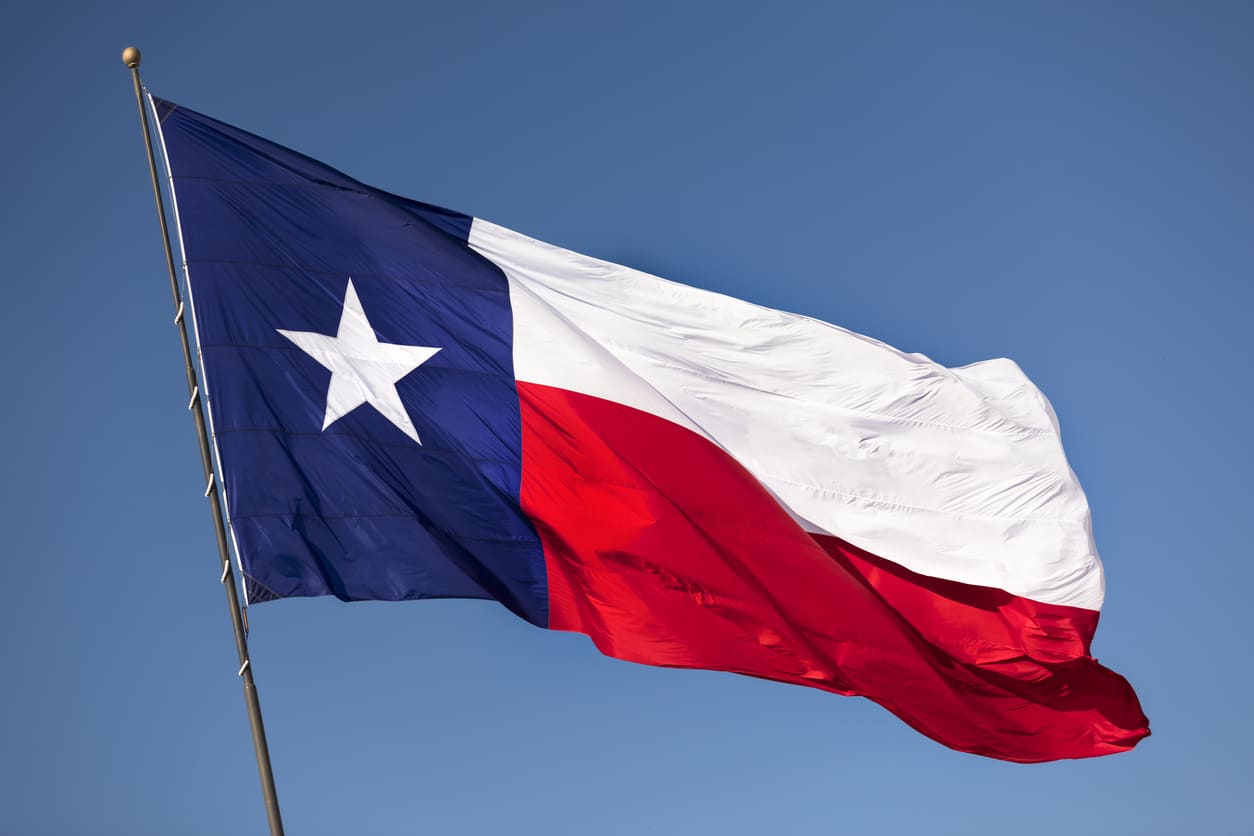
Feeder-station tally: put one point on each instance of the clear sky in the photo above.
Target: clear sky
(1070, 185)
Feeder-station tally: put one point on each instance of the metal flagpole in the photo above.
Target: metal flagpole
(131, 57)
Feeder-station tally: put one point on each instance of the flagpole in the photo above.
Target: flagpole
(131, 57)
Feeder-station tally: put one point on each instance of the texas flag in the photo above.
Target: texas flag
(408, 402)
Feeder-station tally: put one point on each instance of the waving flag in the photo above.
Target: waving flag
(408, 403)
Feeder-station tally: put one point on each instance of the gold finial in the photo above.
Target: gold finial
(131, 56)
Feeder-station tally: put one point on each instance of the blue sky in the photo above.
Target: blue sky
(1068, 184)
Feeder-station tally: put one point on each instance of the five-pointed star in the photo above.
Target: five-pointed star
(363, 370)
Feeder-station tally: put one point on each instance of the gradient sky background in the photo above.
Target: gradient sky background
(1070, 185)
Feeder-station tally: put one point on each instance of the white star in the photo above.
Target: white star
(363, 370)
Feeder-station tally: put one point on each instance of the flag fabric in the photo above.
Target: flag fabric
(407, 402)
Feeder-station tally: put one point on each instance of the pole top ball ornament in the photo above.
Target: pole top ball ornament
(131, 56)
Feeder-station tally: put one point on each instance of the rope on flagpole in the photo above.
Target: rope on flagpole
(131, 57)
